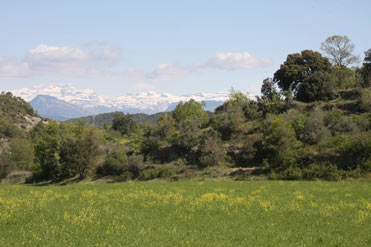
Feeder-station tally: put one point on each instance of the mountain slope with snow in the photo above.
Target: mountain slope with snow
(51, 107)
(87, 101)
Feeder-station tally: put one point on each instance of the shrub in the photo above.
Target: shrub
(347, 152)
(332, 118)
(291, 173)
(114, 165)
(310, 129)
(125, 124)
(6, 165)
(325, 171)
(211, 152)
(163, 171)
(364, 103)
(280, 144)
(21, 153)
(8, 129)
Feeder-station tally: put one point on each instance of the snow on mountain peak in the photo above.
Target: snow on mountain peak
(149, 102)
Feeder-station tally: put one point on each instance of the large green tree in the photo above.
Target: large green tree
(125, 124)
(77, 156)
(190, 112)
(298, 67)
(280, 143)
(317, 86)
(47, 153)
(190, 118)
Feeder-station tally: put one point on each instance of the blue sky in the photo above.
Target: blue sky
(180, 47)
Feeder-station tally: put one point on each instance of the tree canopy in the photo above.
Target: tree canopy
(339, 49)
(298, 67)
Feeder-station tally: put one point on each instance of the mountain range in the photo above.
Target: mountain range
(65, 101)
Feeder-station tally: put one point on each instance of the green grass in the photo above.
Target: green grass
(187, 214)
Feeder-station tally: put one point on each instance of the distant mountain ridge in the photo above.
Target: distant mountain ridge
(51, 107)
(65, 101)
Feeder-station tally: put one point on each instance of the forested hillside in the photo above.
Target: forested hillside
(17, 117)
(106, 118)
(312, 121)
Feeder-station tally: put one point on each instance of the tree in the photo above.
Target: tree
(114, 165)
(345, 77)
(297, 67)
(339, 50)
(158, 139)
(268, 89)
(190, 118)
(211, 151)
(317, 86)
(190, 111)
(21, 153)
(366, 69)
(78, 155)
(6, 165)
(280, 143)
(47, 153)
(125, 124)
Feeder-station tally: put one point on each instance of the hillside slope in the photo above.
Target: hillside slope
(15, 115)
(54, 108)
(107, 118)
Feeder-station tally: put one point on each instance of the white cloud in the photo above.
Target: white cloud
(96, 59)
(236, 61)
(10, 68)
(56, 54)
(107, 53)
(165, 72)
(64, 60)
(142, 86)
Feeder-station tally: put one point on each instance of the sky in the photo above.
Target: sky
(178, 47)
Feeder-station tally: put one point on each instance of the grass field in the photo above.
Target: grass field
(187, 214)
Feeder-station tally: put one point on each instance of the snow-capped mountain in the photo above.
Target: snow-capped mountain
(92, 103)
(51, 107)
(85, 98)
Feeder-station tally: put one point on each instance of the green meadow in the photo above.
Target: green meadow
(187, 214)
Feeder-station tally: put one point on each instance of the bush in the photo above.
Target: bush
(366, 166)
(291, 173)
(247, 152)
(347, 152)
(332, 118)
(21, 153)
(211, 152)
(125, 176)
(135, 165)
(164, 171)
(8, 129)
(113, 165)
(364, 103)
(310, 129)
(325, 171)
(346, 125)
(125, 124)
(280, 144)
(5, 164)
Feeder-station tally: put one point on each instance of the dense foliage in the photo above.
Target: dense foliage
(312, 121)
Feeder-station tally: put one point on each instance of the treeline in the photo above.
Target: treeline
(103, 119)
(312, 121)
